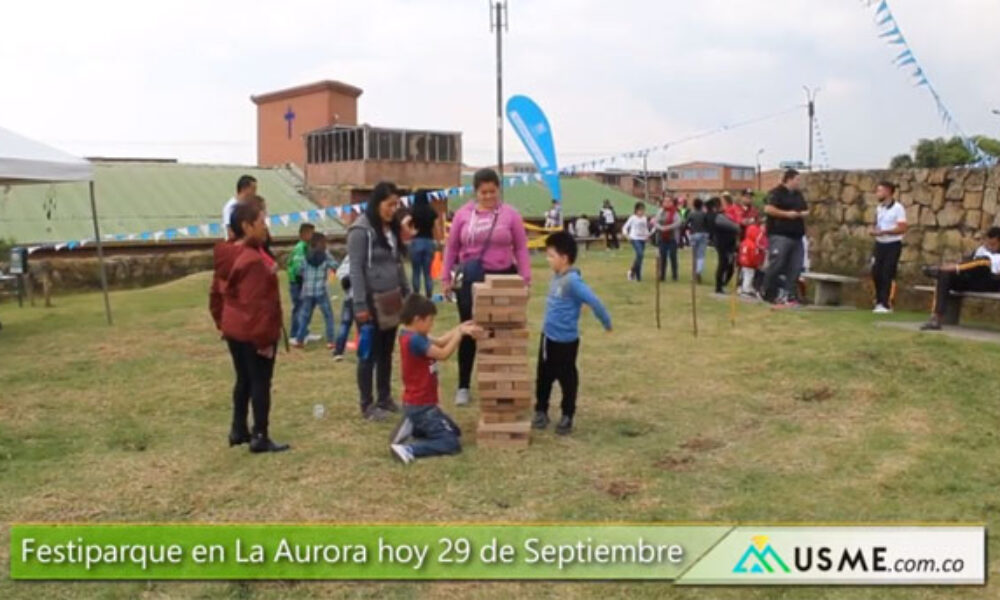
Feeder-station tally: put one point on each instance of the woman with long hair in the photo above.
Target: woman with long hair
(246, 306)
(487, 237)
(378, 287)
(426, 225)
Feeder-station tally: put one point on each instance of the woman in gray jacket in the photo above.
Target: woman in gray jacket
(378, 285)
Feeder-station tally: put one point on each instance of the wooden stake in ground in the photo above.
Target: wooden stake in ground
(694, 295)
(657, 275)
(733, 294)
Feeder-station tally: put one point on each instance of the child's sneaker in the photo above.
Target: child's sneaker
(401, 431)
(338, 357)
(401, 453)
(313, 337)
(541, 420)
(330, 346)
(297, 344)
(565, 425)
(462, 397)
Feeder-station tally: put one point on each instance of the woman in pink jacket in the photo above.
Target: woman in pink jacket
(487, 237)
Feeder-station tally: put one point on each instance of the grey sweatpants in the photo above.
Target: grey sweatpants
(784, 257)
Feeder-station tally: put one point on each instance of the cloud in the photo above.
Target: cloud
(174, 78)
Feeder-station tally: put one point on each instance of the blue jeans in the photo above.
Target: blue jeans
(668, 250)
(640, 248)
(306, 311)
(346, 321)
(295, 293)
(434, 433)
(699, 246)
(421, 257)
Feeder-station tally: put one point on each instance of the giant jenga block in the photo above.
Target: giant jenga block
(500, 306)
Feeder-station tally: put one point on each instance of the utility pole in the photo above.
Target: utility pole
(498, 24)
(759, 152)
(811, 105)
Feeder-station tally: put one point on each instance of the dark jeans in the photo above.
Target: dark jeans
(301, 324)
(884, 270)
(253, 386)
(640, 248)
(467, 347)
(557, 362)
(434, 433)
(421, 256)
(976, 279)
(295, 294)
(346, 320)
(668, 250)
(727, 264)
(784, 257)
(611, 235)
(379, 364)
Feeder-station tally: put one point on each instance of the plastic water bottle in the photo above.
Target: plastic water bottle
(365, 342)
(319, 411)
(437, 298)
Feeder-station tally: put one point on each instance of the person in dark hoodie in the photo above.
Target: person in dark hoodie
(246, 307)
(378, 288)
(561, 332)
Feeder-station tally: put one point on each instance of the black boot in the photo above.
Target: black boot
(261, 443)
(565, 425)
(238, 435)
(541, 420)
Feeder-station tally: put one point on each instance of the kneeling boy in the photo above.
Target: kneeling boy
(433, 432)
(561, 331)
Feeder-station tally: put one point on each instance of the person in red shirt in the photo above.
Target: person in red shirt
(749, 214)
(246, 307)
(753, 251)
(433, 432)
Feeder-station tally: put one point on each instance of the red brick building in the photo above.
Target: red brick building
(701, 178)
(285, 116)
(631, 182)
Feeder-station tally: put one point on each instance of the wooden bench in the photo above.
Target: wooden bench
(953, 314)
(829, 287)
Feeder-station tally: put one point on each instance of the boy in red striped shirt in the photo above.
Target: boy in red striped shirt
(433, 432)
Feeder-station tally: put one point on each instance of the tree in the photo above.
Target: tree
(944, 153)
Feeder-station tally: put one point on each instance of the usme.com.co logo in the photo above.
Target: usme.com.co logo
(760, 557)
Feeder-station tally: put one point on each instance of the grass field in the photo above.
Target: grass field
(802, 416)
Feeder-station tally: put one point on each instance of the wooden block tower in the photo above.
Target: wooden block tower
(500, 307)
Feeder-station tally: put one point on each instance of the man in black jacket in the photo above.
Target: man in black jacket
(786, 210)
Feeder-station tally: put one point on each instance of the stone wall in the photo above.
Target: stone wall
(948, 210)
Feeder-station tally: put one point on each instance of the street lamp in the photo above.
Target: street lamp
(811, 98)
(759, 152)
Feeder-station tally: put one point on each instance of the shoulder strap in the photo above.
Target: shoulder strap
(489, 236)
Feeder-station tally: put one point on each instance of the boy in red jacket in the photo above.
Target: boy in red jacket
(246, 307)
(753, 251)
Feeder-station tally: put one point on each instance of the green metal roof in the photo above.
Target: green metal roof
(137, 197)
(580, 197)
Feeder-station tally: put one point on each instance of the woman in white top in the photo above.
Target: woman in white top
(890, 227)
(636, 229)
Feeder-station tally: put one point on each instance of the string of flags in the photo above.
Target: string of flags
(820, 145)
(293, 218)
(611, 160)
(890, 30)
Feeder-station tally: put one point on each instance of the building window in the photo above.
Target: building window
(712, 173)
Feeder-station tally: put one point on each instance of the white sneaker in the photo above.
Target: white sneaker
(402, 431)
(881, 310)
(313, 337)
(401, 453)
(628, 275)
(462, 397)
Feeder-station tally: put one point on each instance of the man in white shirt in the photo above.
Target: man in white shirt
(981, 273)
(608, 219)
(581, 229)
(890, 227)
(553, 218)
(246, 186)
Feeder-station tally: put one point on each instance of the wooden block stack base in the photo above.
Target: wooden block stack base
(505, 386)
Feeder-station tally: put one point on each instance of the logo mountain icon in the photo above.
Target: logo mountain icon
(758, 558)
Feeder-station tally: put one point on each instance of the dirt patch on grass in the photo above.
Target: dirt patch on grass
(621, 489)
(820, 393)
(702, 444)
(675, 463)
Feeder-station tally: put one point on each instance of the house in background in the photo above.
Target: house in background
(702, 178)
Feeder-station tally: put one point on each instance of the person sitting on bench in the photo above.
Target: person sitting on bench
(980, 273)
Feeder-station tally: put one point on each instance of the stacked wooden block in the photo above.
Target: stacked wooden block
(500, 307)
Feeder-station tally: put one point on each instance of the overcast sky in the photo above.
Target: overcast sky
(174, 79)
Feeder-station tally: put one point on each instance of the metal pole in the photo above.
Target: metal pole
(694, 295)
(811, 107)
(100, 253)
(499, 23)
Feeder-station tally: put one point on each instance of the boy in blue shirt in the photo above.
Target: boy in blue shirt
(561, 332)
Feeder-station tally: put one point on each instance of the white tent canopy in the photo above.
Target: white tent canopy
(25, 161)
